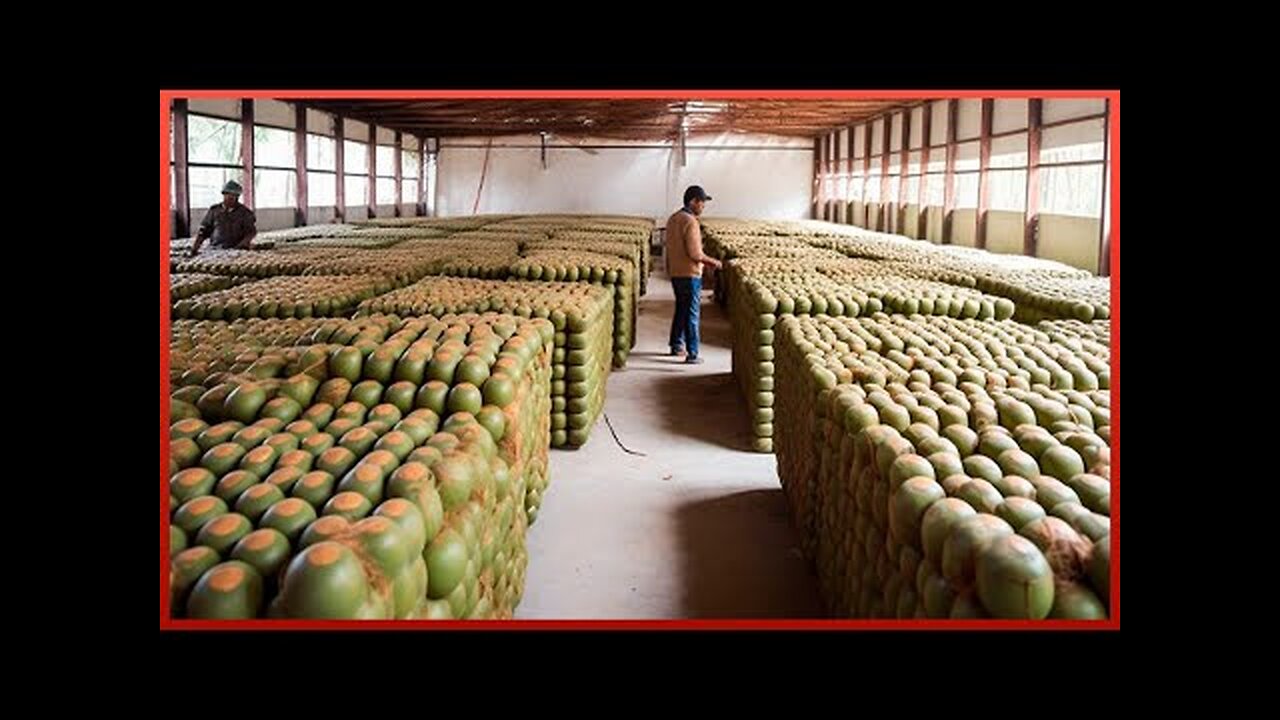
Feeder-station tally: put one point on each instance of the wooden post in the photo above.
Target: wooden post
(883, 224)
(181, 179)
(984, 159)
(398, 163)
(300, 164)
(371, 192)
(1031, 218)
(902, 174)
(340, 166)
(246, 148)
(926, 131)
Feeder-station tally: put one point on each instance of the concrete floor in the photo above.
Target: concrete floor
(697, 529)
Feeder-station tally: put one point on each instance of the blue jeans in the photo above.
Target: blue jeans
(684, 324)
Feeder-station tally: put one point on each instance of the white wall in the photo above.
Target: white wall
(274, 218)
(747, 175)
(320, 215)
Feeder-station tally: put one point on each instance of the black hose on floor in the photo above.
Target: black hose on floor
(617, 440)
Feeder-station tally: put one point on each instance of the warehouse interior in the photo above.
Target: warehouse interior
(437, 384)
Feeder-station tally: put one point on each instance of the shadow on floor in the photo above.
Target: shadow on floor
(704, 407)
(741, 559)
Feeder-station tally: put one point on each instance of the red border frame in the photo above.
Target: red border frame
(1112, 623)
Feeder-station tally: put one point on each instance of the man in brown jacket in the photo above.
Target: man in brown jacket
(684, 264)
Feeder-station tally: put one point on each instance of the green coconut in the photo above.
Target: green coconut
(1066, 550)
(1015, 486)
(353, 411)
(223, 532)
(1061, 462)
(351, 505)
(1013, 413)
(191, 483)
(185, 569)
(230, 487)
(951, 484)
(917, 432)
(991, 444)
(410, 519)
(315, 487)
(1014, 578)
(194, 513)
(184, 452)
(1099, 568)
(946, 464)
(229, 591)
(937, 444)
(222, 458)
(336, 461)
(1073, 601)
(446, 557)
(1019, 511)
(329, 527)
(1037, 442)
(965, 440)
(909, 502)
(254, 501)
(177, 540)
(981, 495)
(1089, 488)
(908, 466)
(1091, 524)
(290, 516)
(937, 523)
(1017, 462)
(1050, 492)
(385, 413)
(981, 466)
(325, 581)
(366, 479)
(416, 428)
(266, 549)
(967, 537)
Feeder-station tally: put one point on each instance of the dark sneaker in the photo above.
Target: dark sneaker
(676, 352)
(693, 360)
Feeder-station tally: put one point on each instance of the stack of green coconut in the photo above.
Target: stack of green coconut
(204, 347)
(480, 259)
(286, 237)
(1045, 296)
(588, 236)
(287, 296)
(185, 285)
(602, 245)
(412, 260)
(404, 266)
(951, 469)
(614, 274)
(761, 290)
(582, 315)
(386, 479)
(258, 263)
(446, 224)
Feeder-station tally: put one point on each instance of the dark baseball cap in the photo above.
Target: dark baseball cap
(695, 192)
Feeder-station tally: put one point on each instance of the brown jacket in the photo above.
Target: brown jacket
(683, 243)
